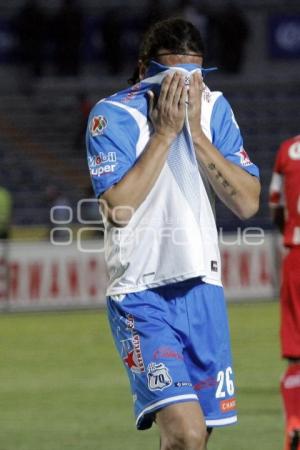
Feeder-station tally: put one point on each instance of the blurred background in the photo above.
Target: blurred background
(59, 57)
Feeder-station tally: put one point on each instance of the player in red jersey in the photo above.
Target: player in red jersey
(285, 206)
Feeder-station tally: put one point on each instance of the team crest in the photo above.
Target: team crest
(98, 125)
(294, 151)
(158, 377)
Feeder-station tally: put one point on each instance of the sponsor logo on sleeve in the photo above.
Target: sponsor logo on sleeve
(102, 163)
(103, 170)
(97, 125)
(158, 377)
(244, 158)
(102, 158)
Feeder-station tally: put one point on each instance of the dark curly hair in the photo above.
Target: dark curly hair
(176, 35)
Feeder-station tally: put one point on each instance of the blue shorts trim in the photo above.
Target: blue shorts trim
(160, 404)
(174, 343)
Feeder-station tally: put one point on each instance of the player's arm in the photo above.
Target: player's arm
(122, 199)
(238, 189)
(276, 201)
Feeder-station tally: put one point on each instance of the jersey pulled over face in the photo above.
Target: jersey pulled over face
(285, 188)
(172, 236)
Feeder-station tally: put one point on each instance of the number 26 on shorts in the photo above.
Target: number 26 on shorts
(225, 383)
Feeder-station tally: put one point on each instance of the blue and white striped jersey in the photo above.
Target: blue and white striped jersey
(172, 236)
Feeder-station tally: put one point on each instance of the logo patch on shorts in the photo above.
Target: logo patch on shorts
(158, 377)
(98, 125)
(132, 362)
(131, 352)
(166, 352)
(183, 384)
(228, 405)
(208, 383)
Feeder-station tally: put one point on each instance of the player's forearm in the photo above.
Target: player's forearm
(235, 187)
(121, 200)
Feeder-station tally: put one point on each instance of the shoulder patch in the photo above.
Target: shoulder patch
(244, 158)
(294, 150)
(97, 125)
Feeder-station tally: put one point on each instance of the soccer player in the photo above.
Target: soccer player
(285, 208)
(157, 152)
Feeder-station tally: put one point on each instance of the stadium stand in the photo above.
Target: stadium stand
(36, 152)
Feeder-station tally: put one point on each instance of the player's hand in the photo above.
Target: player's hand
(168, 114)
(196, 89)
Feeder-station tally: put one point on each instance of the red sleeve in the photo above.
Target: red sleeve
(280, 159)
(276, 197)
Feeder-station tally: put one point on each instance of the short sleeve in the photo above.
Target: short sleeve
(111, 137)
(226, 136)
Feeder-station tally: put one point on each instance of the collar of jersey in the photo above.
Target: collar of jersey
(155, 68)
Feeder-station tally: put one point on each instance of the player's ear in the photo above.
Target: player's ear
(142, 69)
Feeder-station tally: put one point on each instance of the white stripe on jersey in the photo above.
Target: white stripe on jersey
(142, 122)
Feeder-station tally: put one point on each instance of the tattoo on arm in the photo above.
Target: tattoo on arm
(219, 177)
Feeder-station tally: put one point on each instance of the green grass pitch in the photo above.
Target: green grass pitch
(63, 387)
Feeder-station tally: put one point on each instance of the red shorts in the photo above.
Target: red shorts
(290, 305)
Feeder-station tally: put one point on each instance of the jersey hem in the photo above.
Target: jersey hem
(166, 281)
